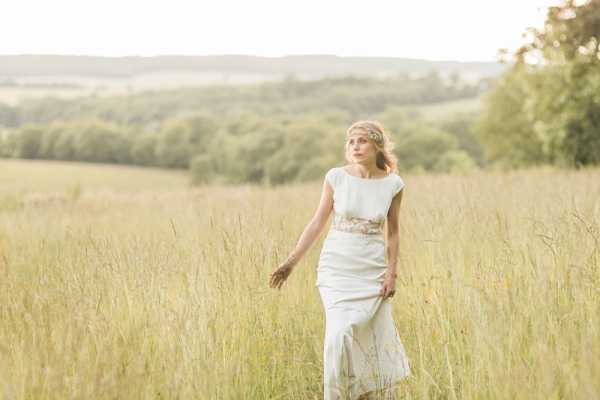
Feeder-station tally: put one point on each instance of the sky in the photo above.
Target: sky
(461, 30)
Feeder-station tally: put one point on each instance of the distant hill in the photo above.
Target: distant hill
(230, 66)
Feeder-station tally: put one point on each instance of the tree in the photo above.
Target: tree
(8, 143)
(28, 141)
(506, 126)
(49, 138)
(423, 148)
(462, 127)
(96, 141)
(545, 109)
(8, 116)
(63, 148)
(142, 149)
(571, 33)
(172, 147)
(180, 139)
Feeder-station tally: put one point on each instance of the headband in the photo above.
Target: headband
(375, 136)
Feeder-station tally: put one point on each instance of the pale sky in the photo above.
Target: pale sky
(463, 30)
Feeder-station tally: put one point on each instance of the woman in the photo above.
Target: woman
(362, 352)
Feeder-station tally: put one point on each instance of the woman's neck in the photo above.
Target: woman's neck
(367, 171)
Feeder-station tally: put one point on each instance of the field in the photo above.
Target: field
(39, 177)
(444, 109)
(33, 87)
(127, 283)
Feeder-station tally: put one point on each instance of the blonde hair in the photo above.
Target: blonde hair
(385, 158)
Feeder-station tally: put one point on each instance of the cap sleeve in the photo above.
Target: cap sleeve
(398, 184)
(331, 177)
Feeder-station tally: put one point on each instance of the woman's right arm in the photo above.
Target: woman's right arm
(307, 238)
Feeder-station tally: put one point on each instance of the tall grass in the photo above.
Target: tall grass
(149, 294)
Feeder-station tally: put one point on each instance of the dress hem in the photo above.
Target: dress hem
(392, 386)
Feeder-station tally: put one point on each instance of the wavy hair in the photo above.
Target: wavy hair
(385, 158)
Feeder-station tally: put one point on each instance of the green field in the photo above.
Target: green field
(106, 87)
(133, 285)
(447, 108)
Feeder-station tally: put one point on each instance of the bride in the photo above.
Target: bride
(362, 352)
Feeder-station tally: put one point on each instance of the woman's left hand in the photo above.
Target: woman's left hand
(389, 285)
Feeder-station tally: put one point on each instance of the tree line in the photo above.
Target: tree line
(271, 132)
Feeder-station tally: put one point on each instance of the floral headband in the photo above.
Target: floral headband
(375, 136)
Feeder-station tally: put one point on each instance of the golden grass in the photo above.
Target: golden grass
(164, 293)
(19, 176)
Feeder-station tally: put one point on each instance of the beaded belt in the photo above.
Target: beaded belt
(357, 225)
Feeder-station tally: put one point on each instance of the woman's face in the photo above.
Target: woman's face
(360, 148)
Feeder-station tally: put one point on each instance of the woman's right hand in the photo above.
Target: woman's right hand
(280, 275)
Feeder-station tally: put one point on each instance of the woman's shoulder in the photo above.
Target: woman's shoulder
(396, 175)
(337, 169)
(397, 182)
(332, 174)
(333, 170)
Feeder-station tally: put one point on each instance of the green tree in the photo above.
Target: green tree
(8, 116)
(424, 147)
(454, 161)
(462, 127)
(8, 143)
(96, 142)
(143, 148)
(545, 109)
(64, 148)
(507, 126)
(49, 138)
(182, 138)
(172, 146)
(304, 154)
(28, 141)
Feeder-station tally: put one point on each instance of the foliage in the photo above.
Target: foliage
(270, 133)
(546, 108)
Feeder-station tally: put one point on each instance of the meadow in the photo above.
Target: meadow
(33, 87)
(127, 283)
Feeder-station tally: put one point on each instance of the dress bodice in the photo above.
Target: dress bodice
(361, 204)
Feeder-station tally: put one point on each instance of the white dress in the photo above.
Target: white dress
(362, 350)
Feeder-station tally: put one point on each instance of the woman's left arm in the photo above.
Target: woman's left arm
(392, 233)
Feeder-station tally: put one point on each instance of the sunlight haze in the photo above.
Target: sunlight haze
(460, 30)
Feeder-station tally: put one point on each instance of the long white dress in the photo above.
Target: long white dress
(362, 351)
